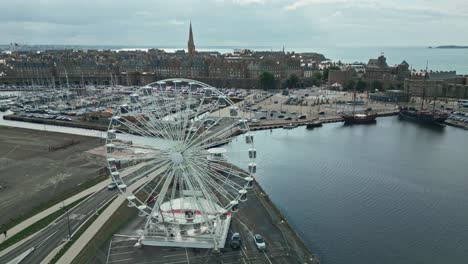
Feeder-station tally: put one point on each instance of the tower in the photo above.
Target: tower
(191, 44)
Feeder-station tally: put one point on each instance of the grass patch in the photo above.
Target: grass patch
(37, 226)
(58, 198)
(79, 233)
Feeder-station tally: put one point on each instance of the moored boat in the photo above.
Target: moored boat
(313, 124)
(360, 118)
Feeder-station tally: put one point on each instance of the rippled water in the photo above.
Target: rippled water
(393, 192)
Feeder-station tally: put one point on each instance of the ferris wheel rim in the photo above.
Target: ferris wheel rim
(142, 205)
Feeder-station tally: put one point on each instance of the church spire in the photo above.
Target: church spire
(191, 43)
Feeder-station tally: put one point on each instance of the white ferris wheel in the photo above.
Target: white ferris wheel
(164, 152)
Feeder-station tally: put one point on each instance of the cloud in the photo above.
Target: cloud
(270, 23)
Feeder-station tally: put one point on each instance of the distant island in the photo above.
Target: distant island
(449, 47)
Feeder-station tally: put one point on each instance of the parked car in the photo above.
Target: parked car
(302, 117)
(259, 242)
(254, 120)
(235, 241)
(263, 117)
(321, 113)
(281, 116)
(288, 118)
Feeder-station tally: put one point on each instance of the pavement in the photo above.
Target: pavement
(89, 234)
(18, 228)
(46, 240)
(256, 216)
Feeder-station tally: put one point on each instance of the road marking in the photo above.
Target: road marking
(175, 255)
(120, 260)
(186, 253)
(20, 258)
(123, 247)
(267, 257)
(108, 252)
(121, 253)
(47, 238)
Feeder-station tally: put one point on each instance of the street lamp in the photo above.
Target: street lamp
(68, 220)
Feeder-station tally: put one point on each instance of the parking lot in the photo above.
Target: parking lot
(256, 216)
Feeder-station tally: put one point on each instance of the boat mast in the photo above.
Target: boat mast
(426, 75)
(354, 99)
(408, 98)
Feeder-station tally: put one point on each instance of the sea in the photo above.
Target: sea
(393, 192)
(417, 57)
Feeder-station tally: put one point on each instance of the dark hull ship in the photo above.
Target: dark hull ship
(364, 118)
(423, 116)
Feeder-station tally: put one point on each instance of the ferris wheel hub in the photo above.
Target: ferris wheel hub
(177, 158)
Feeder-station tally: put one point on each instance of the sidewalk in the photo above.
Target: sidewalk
(89, 234)
(26, 223)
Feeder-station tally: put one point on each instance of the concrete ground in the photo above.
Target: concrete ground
(30, 174)
(253, 218)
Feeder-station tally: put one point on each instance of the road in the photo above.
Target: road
(49, 238)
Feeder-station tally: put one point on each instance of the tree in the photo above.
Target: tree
(267, 80)
(311, 81)
(292, 80)
(349, 85)
(361, 86)
(317, 75)
(327, 70)
(377, 85)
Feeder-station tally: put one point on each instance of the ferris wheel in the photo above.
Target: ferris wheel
(164, 152)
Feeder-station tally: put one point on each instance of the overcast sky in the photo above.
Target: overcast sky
(246, 23)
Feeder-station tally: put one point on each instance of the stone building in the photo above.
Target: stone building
(437, 84)
(378, 69)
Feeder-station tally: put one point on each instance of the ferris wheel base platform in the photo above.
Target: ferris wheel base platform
(195, 241)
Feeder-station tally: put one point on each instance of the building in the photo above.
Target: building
(240, 69)
(340, 76)
(191, 43)
(437, 84)
(378, 69)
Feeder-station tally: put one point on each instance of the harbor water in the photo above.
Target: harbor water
(393, 192)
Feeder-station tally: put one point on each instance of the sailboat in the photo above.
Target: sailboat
(366, 117)
(430, 117)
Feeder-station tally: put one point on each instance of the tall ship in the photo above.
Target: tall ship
(366, 117)
(423, 115)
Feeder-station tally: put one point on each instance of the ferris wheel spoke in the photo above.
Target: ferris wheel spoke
(159, 123)
(169, 107)
(197, 183)
(219, 184)
(155, 125)
(137, 117)
(152, 130)
(232, 170)
(212, 138)
(197, 113)
(168, 175)
(201, 105)
(132, 169)
(146, 172)
(133, 128)
(215, 175)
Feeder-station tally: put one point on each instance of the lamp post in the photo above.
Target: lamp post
(68, 220)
